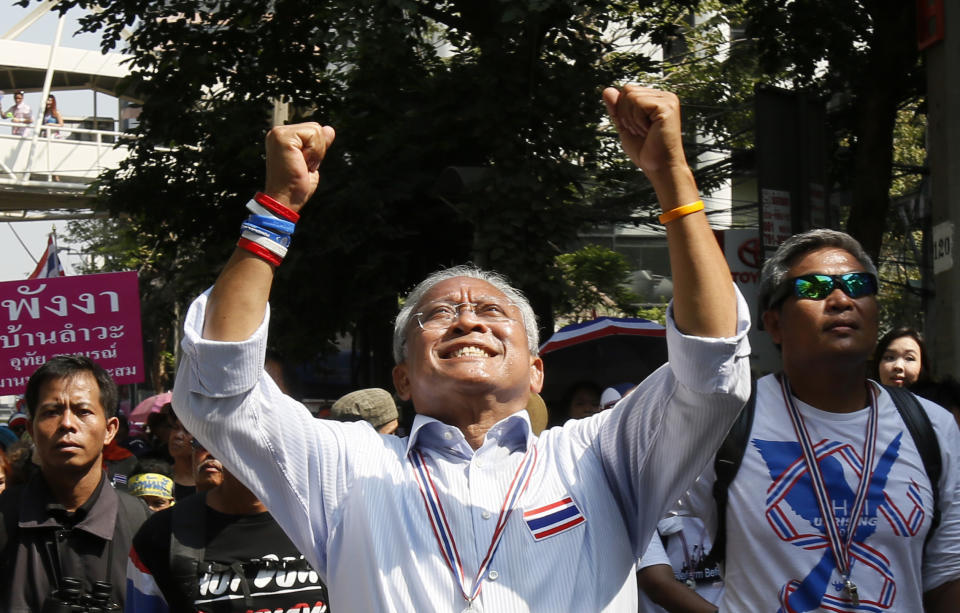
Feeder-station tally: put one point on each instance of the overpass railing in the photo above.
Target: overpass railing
(68, 157)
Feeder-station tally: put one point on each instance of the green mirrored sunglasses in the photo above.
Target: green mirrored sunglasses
(819, 286)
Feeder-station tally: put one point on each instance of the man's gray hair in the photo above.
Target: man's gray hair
(402, 323)
(775, 269)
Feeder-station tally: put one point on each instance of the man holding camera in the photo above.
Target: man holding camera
(67, 526)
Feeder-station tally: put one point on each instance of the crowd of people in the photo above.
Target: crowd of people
(811, 489)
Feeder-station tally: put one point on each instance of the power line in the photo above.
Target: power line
(24, 245)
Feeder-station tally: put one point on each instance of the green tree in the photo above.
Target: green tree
(167, 280)
(901, 261)
(413, 88)
(594, 279)
(862, 56)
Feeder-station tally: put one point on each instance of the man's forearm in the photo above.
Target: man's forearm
(649, 125)
(704, 303)
(660, 585)
(238, 300)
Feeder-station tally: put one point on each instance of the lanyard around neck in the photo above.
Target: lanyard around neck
(441, 527)
(840, 541)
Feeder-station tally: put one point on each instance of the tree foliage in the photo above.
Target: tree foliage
(505, 91)
(465, 131)
(594, 279)
(861, 55)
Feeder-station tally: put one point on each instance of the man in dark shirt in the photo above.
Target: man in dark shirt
(66, 521)
(227, 555)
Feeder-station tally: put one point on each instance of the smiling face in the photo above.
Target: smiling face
(69, 425)
(900, 364)
(471, 357)
(819, 332)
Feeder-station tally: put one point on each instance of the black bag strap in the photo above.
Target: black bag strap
(188, 537)
(925, 438)
(726, 464)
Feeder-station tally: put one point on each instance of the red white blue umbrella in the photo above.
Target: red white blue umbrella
(606, 351)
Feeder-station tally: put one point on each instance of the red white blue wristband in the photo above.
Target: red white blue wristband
(269, 222)
(261, 252)
(256, 209)
(273, 247)
(276, 208)
(281, 239)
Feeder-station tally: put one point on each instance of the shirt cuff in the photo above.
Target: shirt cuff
(220, 369)
(709, 365)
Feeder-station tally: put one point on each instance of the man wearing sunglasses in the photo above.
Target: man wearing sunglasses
(828, 449)
(473, 511)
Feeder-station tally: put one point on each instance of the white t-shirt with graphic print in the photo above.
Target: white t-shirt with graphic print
(777, 557)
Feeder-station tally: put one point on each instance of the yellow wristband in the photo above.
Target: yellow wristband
(681, 211)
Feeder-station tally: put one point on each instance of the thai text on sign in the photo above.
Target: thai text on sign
(93, 315)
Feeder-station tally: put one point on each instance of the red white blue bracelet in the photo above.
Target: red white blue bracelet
(266, 232)
(249, 228)
(275, 208)
(257, 250)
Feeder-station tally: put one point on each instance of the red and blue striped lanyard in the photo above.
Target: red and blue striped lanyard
(840, 541)
(441, 527)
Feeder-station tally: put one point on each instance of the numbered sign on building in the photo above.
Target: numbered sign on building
(94, 315)
(942, 247)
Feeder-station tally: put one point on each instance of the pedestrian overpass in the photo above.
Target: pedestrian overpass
(49, 172)
(50, 175)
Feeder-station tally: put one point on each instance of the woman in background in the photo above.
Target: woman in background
(52, 117)
(901, 358)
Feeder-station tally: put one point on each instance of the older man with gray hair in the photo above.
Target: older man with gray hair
(472, 511)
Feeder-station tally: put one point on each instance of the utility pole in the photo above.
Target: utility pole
(936, 19)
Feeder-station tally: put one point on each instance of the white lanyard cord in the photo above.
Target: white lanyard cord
(839, 543)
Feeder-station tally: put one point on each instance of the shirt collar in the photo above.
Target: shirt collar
(40, 509)
(512, 431)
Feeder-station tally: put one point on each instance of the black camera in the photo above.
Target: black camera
(70, 597)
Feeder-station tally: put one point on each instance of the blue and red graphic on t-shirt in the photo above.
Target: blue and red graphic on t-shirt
(791, 495)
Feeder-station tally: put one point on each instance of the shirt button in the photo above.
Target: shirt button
(447, 435)
(485, 515)
(493, 575)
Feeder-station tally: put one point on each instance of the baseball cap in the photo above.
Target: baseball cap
(373, 405)
(612, 394)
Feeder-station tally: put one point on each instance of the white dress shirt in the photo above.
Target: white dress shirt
(349, 499)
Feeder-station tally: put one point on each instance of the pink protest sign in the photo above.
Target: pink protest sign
(93, 315)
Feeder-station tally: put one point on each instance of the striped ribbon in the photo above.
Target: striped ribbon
(840, 541)
(441, 527)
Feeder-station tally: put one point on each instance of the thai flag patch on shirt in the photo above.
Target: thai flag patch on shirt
(552, 519)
